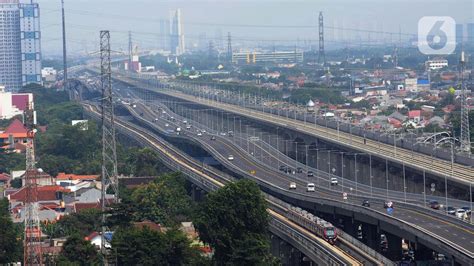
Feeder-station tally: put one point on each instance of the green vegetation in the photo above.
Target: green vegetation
(326, 95)
(10, 243)
(134, 246)
(234, 220)
(163, 201)
(11, 162)
(77, 251)
(82, 223)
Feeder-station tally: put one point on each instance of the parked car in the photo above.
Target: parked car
(434, 204)
(310, 187)
(292, 185)
(366, 203)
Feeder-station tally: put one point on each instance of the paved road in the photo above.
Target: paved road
(452, 233)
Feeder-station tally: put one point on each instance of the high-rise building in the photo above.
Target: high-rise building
(470, 33)
(176, 33)
(164, 34)
(459, 34)
(20, 50)
(30, 43)
(10, 45)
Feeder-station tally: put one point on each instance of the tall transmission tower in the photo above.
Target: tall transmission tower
(229, 48)
(322, 56)
(465, 134)
(130, 50)
(32, 253)
(64, 46)
(109, 153)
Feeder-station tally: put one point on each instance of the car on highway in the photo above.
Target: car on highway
(188, 126)
(459, 213)
(167, 125)
(292, 185)
(156, 119)
(230, 157)
(299, 170)
(185, 121)
(434, 204)
(163, 112)
(222, 133)
(467, 209)
(282, 168)
(366, 203)
(213, 138)
(333, 181)
(310, 174)
(388, 204)
(310, 187)
(450, 210)
(199, 133)
(203, 131)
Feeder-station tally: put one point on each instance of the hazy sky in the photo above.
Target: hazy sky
(259, 21)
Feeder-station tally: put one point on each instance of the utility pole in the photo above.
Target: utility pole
(229, 48)
(465, 134)
(109, 153)
(64, 47)
(322, 56)
(32, 252)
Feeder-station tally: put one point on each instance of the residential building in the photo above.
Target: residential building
(48, 74)
(436, 64)
(14, 137)
(20, 50)
(10, 45)
(30, 43)
(176, 33)
(267, 57)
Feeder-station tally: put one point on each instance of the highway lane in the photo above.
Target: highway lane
(268, 155)
(346, 258)
(419, 161)
(245, 163)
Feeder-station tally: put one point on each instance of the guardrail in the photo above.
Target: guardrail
(317, 251)
(454, 247)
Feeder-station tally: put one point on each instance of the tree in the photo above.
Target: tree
(77, 251)
(234, 220)
(10, 245)
(135, 246)
(81, 223)
(163, 201)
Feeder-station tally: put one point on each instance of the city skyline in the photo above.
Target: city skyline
(283, 22)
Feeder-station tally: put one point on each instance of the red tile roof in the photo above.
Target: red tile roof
(91, 236)
(4, 177)
(45, 193)
(414, 113)
(151, 225)
(64, 176)
(16, 127)
(78, 206)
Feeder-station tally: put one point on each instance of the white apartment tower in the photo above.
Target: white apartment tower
(176, 33)
(20, 51)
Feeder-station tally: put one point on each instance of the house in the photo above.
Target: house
(436, 120)
(75, 182)
(42, 178)
(44, 193)
(150, 225)
(398, 116)
(414, 116)
(5, 180)
(14, 137)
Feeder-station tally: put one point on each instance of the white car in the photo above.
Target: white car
(185, 121)
(333, 181)
(163, 112)
(167, 125)
(188, 127)
(460, 213)
(230, 158)
(199, 134)
(292, 185)
(203, 131)
(310, 187)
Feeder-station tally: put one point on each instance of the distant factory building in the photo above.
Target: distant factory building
(267, 57)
